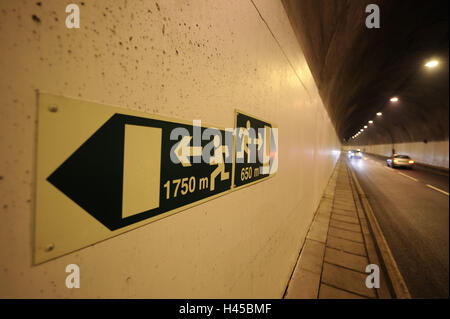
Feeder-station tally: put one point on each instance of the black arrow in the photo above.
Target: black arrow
(93, 175)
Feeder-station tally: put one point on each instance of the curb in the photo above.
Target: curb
(398, 283)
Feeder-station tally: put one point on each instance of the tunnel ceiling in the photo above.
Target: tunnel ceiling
(357, 70)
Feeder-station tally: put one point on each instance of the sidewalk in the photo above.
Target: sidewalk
(338, 247)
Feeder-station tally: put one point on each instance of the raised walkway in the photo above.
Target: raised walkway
(340, 244)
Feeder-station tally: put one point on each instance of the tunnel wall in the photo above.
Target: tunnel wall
(186, 60)
(434, 153)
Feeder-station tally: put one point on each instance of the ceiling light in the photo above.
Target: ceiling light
(365, 126)
(370, 122)
(394, 99)
(431, 64)
(379, 114)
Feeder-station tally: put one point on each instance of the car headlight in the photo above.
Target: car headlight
(411, 162)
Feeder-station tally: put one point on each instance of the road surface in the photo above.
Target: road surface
(412, 208)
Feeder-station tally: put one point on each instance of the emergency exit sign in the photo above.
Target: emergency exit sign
(104, 170)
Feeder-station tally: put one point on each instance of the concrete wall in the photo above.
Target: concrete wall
(433, 153)
(183, 59)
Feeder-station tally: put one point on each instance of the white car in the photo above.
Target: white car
(354, 154)
(400, 161)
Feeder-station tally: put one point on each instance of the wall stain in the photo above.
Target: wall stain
(36, 18)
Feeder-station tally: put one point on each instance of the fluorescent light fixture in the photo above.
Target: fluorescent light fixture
(365, 126)
(370, 122)
(379, 114)
(394, 99)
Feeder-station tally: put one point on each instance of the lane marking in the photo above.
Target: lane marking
(414, 179)
(437, 189)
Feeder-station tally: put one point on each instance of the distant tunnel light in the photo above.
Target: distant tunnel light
(379, 114)
(365, 126)
(361, 130)
(394, 99)
(370, 122)
(431, 64)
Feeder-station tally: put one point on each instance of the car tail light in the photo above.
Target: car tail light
(411, 162)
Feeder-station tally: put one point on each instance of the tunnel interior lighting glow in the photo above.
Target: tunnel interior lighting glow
(370, 122)
(379, 114)
(394, 99)
(361, 129)
(431, 64)
(365, 126)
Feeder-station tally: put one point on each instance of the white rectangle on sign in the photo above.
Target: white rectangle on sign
(141, 169)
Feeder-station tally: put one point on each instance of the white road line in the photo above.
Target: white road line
(414, 179)
(437, 189)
